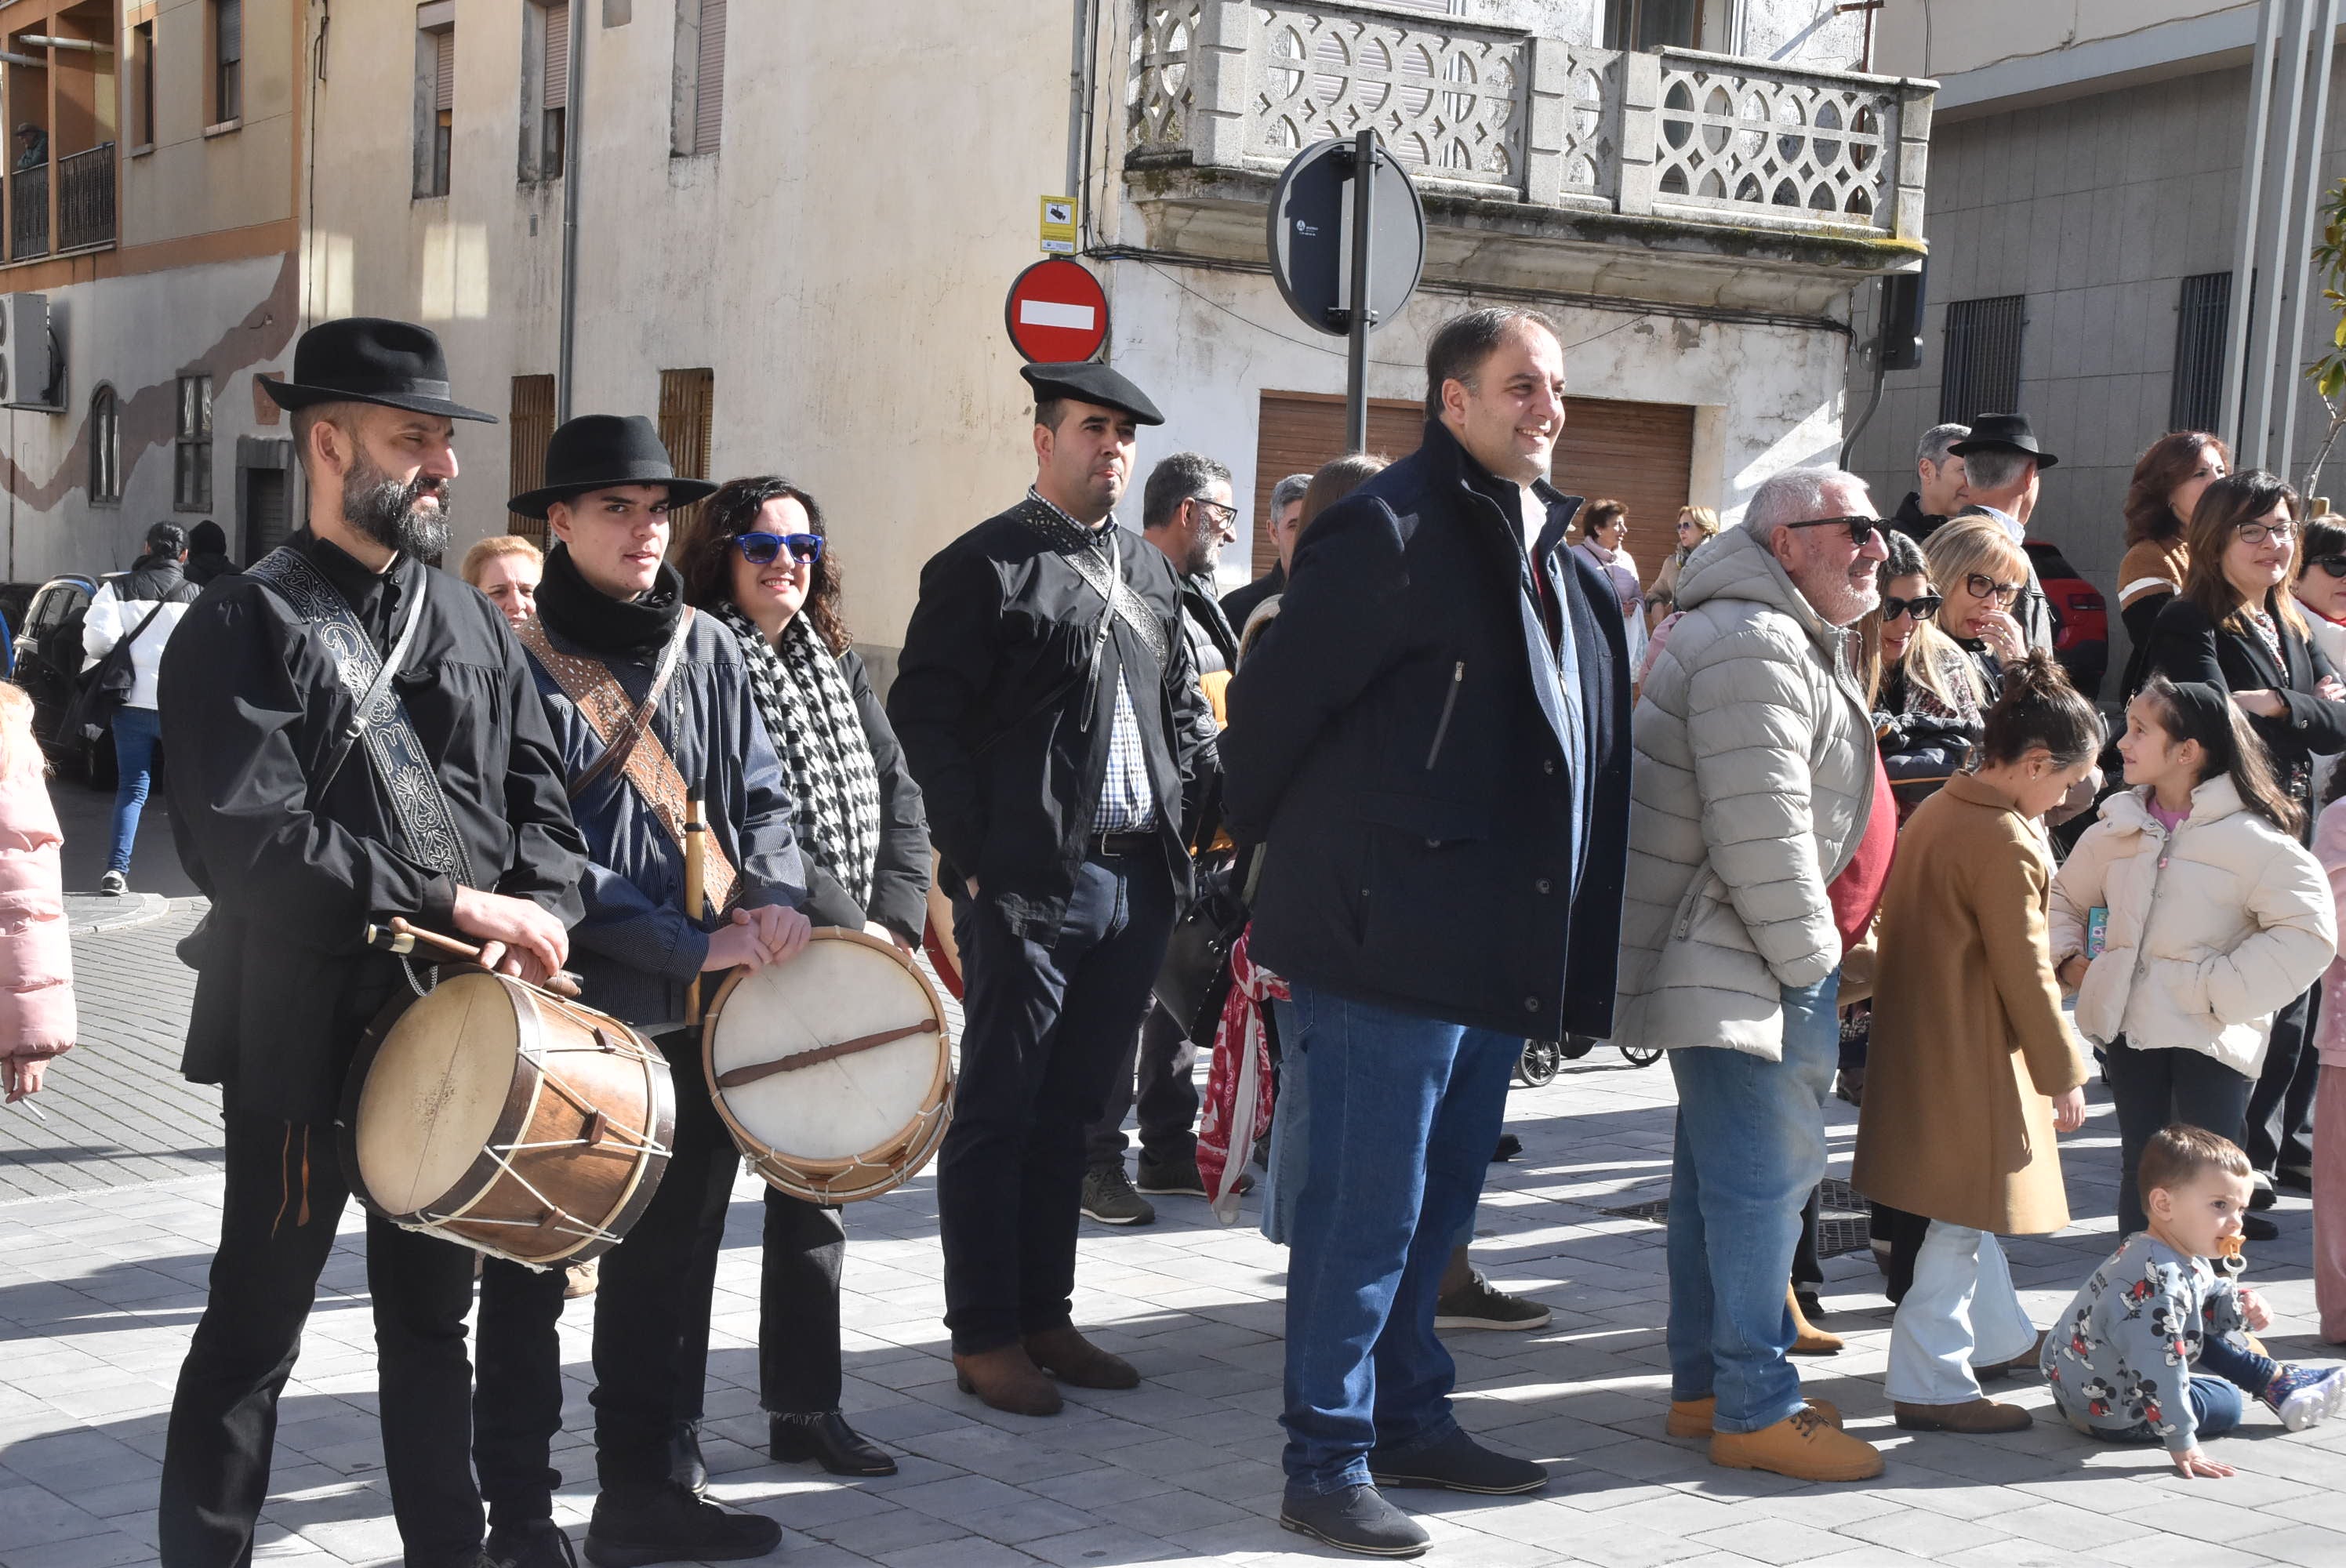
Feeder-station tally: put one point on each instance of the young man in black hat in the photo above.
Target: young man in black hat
(1049, 708)
(448, 808)
(619, 656)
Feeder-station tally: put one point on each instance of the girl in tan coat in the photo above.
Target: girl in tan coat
(1974, 1069)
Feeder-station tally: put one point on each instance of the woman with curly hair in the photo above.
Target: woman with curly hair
(757, 558)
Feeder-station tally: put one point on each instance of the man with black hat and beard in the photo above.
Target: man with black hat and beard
(304, 826)
(651, 704)
(1049, 708)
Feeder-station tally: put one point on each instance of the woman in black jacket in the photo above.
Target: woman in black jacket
(755, 558)
(2237, 626)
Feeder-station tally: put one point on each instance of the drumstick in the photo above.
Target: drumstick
(696, 834)
(402, 937)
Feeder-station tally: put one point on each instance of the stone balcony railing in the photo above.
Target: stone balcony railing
(1501, 113)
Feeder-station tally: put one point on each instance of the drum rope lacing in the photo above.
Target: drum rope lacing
(924, 1132)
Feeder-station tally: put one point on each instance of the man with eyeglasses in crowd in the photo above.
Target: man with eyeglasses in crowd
(1761, 826)
(1186, 512)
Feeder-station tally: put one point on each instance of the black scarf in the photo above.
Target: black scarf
(574, 608)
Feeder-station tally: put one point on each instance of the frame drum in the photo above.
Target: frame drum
(833, 1071)
(500, 1116)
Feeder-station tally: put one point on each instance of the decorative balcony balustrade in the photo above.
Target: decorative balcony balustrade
(1496, 112)
(28, 213)
(85, 198)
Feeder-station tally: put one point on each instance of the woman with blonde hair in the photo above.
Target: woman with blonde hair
(1981, 572)
(1697, 527)
(506, 569)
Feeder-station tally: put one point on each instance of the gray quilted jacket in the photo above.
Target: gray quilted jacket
(1753, 776)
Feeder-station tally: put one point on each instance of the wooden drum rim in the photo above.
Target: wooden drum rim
(757, 1152)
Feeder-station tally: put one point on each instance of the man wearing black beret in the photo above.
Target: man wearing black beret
(1049, 708)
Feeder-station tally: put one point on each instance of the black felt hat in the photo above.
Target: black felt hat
(600, 452)
(2004, 431)
(1093, 383)
(365, 358)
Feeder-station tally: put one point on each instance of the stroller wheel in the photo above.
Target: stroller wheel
(1641, 1055)
(1539, 1064)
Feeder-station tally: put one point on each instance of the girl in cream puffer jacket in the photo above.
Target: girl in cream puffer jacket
(2215, 918)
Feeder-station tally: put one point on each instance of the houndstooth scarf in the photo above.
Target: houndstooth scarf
(810, 718)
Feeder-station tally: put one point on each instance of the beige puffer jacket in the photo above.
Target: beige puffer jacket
(1753, 776)
(2210, 933)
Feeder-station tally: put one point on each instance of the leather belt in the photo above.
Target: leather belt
(1116, 846)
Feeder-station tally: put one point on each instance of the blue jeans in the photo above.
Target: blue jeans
(1751, 1146)
(135, 733)
(1404, 1113)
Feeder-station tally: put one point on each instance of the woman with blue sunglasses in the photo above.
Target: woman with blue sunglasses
(755, 559)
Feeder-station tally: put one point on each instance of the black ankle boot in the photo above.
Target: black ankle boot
(827, 1439)
(671, 1525)
(684, 1465)
(540, 1543)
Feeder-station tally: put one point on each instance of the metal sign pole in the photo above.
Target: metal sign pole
(1356, 361)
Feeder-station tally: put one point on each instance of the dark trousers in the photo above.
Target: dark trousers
(1047, 1023)
(517, 1390)
(2152, 1088)
(798, 1367)
(284, 1196)
(1157, 1063)
(656, 1285)
(2280, 1109)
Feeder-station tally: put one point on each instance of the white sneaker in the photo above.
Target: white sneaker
(2303, 1395)
(114, 883)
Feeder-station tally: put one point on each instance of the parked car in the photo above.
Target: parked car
(48, 666)
(2081, 619)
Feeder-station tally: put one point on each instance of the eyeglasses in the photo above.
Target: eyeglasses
(2333, 565)
(1921, 608)
(2266, 533)
(759, 549)
(1223, 517)
(1983, 586)
(1861, 529)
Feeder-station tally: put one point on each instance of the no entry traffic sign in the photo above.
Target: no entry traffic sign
(1058, 312)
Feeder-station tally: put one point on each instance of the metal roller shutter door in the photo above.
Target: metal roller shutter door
(1639, 454)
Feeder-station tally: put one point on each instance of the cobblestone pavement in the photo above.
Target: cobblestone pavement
(102, 1275)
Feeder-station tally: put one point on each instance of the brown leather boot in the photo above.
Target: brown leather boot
(1971, 1416)
(1808, 1340)
(1692, 1417)
(1067, 1356)
(1007, 1379)
(2023, 1362)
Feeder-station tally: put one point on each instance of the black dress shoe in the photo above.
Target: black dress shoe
(828, 1440)
(683, 1464)
(1458, 1463)
(2257, 1228)
(1355, 1519)
(540, 1543)
(671, 1525)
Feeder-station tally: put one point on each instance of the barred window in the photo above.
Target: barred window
(1982, 362)
(2203, 319)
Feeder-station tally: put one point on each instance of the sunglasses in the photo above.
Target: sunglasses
(758, 549)
(2333, 565)
(1921, 608)
(1984, 586)
(1860, 529)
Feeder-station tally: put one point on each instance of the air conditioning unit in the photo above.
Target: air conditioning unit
(24, 379)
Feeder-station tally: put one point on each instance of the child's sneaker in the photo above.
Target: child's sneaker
(2301, 1395)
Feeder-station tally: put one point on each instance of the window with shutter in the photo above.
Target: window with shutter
(1639, 454)
(687, 424)
(554, 87)
(443, 90)
(435, 96)
(530, 426)
(708, 113)
(228, 60)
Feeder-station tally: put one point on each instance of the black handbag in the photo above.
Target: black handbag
(1195, 978)
(106, 688)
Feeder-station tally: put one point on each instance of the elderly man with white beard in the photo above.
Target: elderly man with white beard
(1756, 857)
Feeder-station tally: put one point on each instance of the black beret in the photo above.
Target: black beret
(1093, 383)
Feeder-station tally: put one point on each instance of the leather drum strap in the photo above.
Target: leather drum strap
(604, 704)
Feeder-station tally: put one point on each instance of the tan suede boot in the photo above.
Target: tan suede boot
(1971, 1416)
(1808, 1340)
(1803, 1445)
(1007, 1379)
(1067, 1356)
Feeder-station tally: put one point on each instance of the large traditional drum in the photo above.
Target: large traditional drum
(834, 1070)
(501, 1116)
